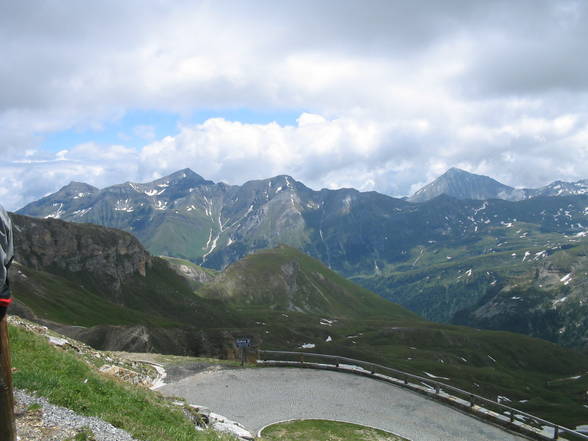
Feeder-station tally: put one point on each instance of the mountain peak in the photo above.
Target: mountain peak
(457, 171)
(461, 184)
(75, 187)
(185, 173)
(184, 177)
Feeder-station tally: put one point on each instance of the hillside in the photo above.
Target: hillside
(68, 374)
(285, 279)
(516, 278)
(100, 285)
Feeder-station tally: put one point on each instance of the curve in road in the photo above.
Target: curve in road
(258, 397)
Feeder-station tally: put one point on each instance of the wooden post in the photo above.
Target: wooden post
(243, 355)
(7, 423)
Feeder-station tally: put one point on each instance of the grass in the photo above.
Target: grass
(324, 430)
(55, 298)
(75, 299)
(69, 382)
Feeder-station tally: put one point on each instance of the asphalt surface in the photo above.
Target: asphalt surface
(258, 397)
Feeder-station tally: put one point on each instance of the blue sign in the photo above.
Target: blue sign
(243, 342)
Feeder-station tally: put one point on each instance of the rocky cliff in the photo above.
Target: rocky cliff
(104, 257)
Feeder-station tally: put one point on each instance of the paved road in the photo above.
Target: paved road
(257, 397)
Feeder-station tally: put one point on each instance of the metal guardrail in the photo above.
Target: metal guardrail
(495, 411)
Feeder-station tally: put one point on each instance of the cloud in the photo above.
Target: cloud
(391, 93)
(392, 157)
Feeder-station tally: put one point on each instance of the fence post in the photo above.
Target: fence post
(555, 432)
(7, 423)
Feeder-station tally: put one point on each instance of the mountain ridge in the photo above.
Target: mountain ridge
(383, 243)
(461, 184)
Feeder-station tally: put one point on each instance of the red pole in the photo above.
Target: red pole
(7, 423)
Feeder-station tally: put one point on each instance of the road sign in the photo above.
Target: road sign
(243, 342)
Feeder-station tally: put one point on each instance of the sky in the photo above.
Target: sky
(380, 95)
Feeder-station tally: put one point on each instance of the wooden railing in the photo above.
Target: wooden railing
(481, 407)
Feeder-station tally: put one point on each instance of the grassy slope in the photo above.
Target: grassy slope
(55, 298)
(181, 236)
(67, 381)
(162, 298)
(284, 278)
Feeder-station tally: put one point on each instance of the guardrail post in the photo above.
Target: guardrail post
(437, 389)
(555, 432)
(472, 402)
(405, 380)
(301, 358)
(512, 416)
(337, 362)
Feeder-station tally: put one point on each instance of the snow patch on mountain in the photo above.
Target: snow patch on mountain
(57, 213)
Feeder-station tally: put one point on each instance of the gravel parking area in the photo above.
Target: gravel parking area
(258, 397)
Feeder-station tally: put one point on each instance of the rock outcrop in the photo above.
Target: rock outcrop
(107, 256)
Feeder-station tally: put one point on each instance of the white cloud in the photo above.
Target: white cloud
(390, 157)
(394, 92)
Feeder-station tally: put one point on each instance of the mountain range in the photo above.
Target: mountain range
(450, 258)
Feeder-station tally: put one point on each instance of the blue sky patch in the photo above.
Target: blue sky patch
(139, 127)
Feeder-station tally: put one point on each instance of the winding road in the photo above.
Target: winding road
(258, 397)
